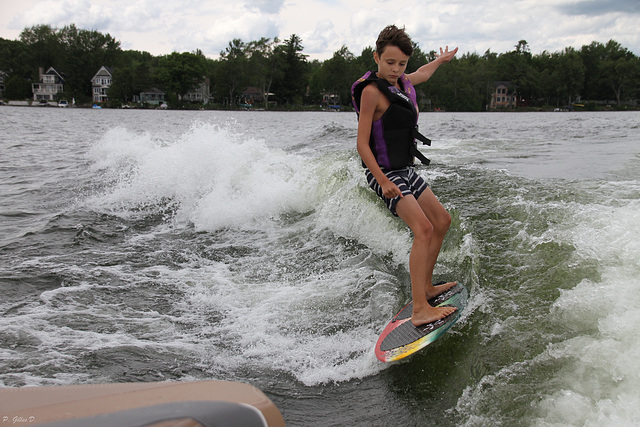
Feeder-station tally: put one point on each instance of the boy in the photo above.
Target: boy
(387, 126)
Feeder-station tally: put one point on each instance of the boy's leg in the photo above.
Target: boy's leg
(420, 262)
(441, 220)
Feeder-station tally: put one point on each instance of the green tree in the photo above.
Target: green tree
(544, 92)
(43, 45)
(290, 86)
(336, 75)
(365, 61)
(264, 65)
(516, 67)
(15, 63)
(122, 86)
(179, 73)
(233, 69)
(142, 76)
(17, 87)
(14, 58)
(612, 71)
(417, 60)
(131, 75)
(620, 67)
(477, 82)
(569, 75)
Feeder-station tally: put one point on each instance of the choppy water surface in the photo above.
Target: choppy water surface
(163, 245)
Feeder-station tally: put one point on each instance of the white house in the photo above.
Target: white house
(100, 84)
(50, 84)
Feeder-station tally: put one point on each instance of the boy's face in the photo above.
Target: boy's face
(391, 64)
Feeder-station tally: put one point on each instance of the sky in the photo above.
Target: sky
(161, 27)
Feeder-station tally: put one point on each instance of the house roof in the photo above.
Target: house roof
(104, 71)
(252, 90)
(152, 90)
(52, 72)
(508, 84)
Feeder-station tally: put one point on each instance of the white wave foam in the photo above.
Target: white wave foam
(601, 385)
(319, 329)
(588, 373)
(215, 177)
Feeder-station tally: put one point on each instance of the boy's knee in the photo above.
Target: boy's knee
(447, 220)
(443, 223)
(424, 230)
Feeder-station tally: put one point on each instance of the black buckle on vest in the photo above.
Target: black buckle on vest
(417, 136)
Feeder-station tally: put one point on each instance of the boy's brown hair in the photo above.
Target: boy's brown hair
(394, 36)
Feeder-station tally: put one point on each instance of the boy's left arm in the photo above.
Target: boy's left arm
(425, 72)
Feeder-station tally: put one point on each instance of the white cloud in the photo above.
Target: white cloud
(247, 27)
(266, 6)
(163, 26)
(320, 40)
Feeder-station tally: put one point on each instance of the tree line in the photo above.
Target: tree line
(596, 73)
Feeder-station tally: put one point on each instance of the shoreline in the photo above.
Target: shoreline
(298, 109)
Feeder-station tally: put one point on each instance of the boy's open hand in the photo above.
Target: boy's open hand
(446, 55)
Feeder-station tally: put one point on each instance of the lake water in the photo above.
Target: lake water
(246, 246)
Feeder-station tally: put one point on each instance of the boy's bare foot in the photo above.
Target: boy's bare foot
(429, 314)
(435, 290)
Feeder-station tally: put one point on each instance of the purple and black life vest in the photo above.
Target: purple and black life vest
(393, 136)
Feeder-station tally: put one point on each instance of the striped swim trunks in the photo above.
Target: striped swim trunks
(407, 180)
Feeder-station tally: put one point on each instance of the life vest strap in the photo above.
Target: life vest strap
(417, 136)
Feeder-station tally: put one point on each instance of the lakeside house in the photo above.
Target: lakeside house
(100, 84)
(153, 96)
(331, 100)
(251, 96)
(503, 96)
(201, 94)
(49, 85)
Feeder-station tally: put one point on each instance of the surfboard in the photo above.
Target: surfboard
(400, 338)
